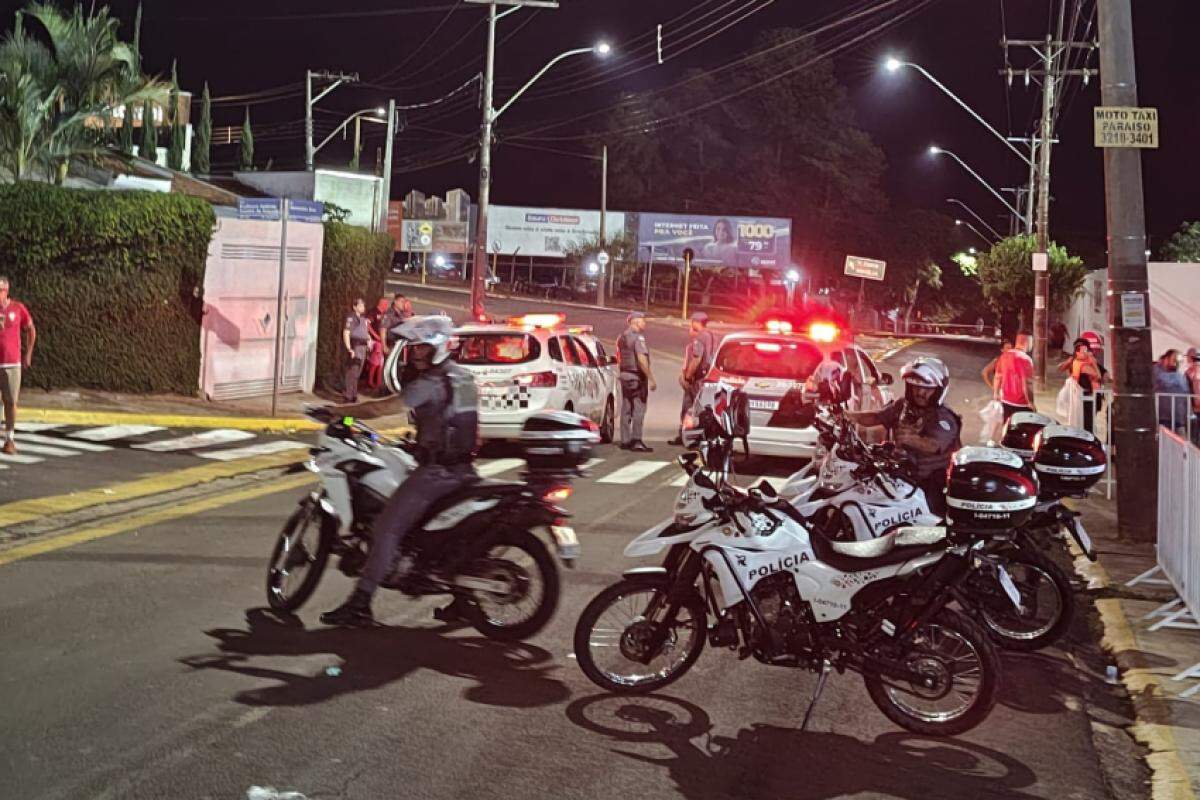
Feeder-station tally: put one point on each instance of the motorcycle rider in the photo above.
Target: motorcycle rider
(922, 425)
(443, 405)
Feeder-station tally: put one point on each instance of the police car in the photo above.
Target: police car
(537, 362)
(772, 365)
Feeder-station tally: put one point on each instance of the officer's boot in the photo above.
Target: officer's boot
(354, 613)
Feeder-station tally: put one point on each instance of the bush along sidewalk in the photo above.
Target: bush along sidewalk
(354, 263)
(114, 282)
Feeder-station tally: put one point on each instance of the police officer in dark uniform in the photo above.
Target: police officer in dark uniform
(697, 359)
(443, 404)
(637, 381)
(920, 423)
(356, 336)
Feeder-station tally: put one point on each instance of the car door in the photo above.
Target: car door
(575, 376)
(593, 394)
(876, 395)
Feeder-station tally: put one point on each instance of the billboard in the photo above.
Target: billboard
(750, 242)
(433, 236)
(545, 232)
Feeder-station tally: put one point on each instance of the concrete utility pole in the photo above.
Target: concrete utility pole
(1133, 427)
(387, 164)
(603, 223)
(338, 79)
(485, 171)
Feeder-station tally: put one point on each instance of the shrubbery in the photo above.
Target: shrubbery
(355, 263)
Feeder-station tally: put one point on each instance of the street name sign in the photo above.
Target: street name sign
(1125, 126)
(305, 210)
(266, 208)
(869, 268)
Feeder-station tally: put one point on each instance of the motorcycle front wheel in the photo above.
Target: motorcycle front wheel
(521, 562)
(299, 558)
(623, 643)
(961, 671)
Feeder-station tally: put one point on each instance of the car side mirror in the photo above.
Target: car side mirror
(886, 379)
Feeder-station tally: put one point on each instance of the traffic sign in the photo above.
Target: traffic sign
(869, 268)
(602, 258)
(265, 208)
(1041, 262)
(1125, 126)
(305, 210)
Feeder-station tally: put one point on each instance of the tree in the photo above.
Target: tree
(621, 249)
(202, 141)
(1184, 244)
(125, 135)
(1006, 273)
(60, 81)
(149, 146)
(246, 157)
(175, 146)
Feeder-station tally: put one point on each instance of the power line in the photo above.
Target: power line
(334, 15)
(413, 53)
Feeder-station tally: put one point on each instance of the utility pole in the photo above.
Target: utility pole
(1133, 427)
(479, 265)
(603, 224)
(338, 79)
(1048, 51)
(387, 164)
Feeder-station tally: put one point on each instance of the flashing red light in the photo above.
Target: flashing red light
(482, 318)
(558, 494)
(538, 320)
(823, 332)
(538, 380)
(778, 326)
(768, 347)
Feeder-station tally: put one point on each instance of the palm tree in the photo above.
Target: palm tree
(58, 90)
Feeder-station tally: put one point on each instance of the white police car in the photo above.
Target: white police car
(771, 366)
(534, 363)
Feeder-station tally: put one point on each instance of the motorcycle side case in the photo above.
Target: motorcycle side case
(1021, 430)
(990, 489)
(1070, 461)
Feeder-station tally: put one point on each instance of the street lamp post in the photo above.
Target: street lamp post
(970, 211)
(934, 150)
(382, 116)
(974, 230)
(490, 115)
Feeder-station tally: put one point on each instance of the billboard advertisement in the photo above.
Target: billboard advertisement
(545, 232)
(433, 236)
(749, 242)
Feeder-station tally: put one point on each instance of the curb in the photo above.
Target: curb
(266, 424)
(1169, 779)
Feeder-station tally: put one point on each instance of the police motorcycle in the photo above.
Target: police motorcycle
(483, 544)
(742, 569)
(856, 491)
(1068, 462)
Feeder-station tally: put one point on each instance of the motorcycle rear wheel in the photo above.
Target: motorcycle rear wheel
(959, 656)
(1046, 596)
(613, 627)
(522, 560)
(299, 558)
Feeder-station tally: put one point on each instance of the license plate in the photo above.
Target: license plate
(1082, 539)
(566, 540)
(764, 405)
(1010, 588)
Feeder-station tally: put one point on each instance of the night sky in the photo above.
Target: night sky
(246, 47)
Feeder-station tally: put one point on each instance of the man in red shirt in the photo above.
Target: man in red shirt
(1013, 385)
(14, 318)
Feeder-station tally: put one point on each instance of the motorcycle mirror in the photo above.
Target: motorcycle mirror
(886, 379)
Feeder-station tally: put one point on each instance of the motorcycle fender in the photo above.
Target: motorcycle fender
(659, 538)
(643, 572)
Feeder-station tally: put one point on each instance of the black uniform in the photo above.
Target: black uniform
(936, 423)
(443, 404)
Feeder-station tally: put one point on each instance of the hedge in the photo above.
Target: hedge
(355, 263)
(113, 281)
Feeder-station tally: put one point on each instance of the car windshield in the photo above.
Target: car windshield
(497, 348)
(768, 358)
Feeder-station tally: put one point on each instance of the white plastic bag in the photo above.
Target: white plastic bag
(993, 421)
(1069, 405)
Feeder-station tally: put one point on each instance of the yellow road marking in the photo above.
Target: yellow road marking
(38, 507)
(152, 518)
(68, 417)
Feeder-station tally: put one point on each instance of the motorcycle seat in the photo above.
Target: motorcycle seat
(861, 556)
(480, 488)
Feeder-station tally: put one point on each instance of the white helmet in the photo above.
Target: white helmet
(928, 373)
(831, 374)
(436, 330)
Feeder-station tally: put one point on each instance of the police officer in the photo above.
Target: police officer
(637, 381)
(697, 359)
(443, 405)
(922, 425)
(356, 337)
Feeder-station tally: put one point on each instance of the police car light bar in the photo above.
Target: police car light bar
(778, 326)
(538, 320)
(823, 332)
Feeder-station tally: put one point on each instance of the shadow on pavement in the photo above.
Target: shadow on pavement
(513, 675)
(768, 761)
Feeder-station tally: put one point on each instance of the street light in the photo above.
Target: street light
(369, 114)
(592, 268)
(934, 150)
(893, 65)
(439, 261)
(975, 230)
(978, 218)
(490, 115)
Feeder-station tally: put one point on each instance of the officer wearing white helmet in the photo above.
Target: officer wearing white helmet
(443, 405)
(922, 425)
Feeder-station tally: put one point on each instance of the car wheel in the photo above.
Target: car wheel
(608, 424)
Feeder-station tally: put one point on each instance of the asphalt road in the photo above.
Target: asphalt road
(142, 665)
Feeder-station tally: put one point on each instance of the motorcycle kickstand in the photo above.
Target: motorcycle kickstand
(825, 667)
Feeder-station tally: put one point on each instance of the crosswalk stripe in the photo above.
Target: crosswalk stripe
(219, 436)
(43, 450)
(35, 427)
(109, 432)
(50, 440)
(490, 468)
(20, 459)
(592, 462)
(632, 473)
(252, 450)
